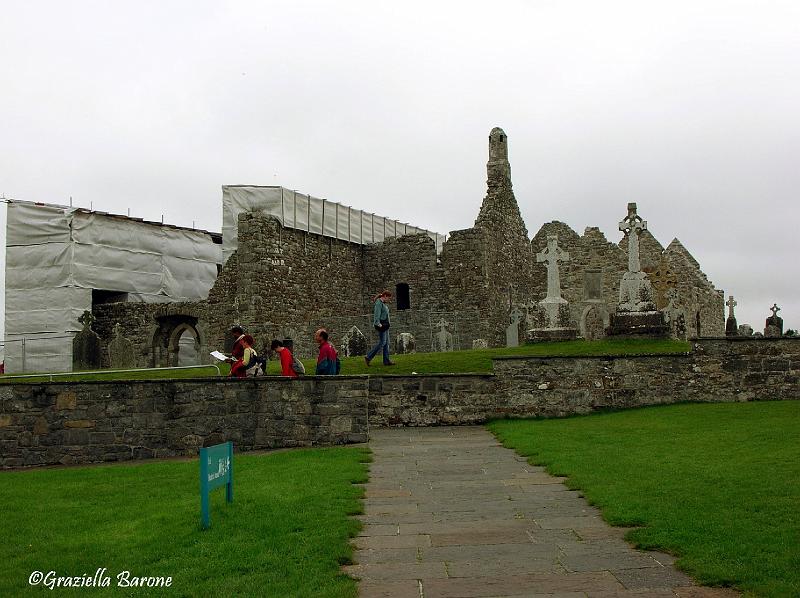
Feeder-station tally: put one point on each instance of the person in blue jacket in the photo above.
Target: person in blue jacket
(380, 321)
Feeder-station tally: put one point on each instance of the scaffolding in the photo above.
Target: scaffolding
(60, 260)
(310, 214)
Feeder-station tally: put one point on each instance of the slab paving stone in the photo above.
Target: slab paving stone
(449, 512)
(408, 541)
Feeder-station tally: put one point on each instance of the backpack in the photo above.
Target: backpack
(298, 366)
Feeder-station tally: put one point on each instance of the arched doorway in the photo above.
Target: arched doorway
(177, 341)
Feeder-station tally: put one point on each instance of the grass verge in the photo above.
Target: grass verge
(285, 534)
(716, 484)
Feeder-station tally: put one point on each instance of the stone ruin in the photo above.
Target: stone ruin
(482, 285)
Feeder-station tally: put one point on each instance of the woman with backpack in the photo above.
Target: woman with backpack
(289, 365)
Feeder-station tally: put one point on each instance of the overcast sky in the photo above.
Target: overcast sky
(689, 109)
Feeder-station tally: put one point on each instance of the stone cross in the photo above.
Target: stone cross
(516, 316)
(631, 226)
(731, 303)
(774, 309)
(552, 255)
(87, 319)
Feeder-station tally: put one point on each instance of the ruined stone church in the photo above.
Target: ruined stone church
(284, 283)
(286, 271)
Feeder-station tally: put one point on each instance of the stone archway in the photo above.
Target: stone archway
(167, 340)
(182, 352)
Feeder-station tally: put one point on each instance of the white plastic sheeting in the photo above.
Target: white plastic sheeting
(56, 255)
(313, 215)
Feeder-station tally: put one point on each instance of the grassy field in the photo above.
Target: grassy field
(716, 484)
(285, 534)
(476, 360)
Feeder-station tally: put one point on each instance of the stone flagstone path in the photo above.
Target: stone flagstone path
(449, 512)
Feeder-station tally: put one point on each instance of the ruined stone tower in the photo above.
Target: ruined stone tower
(508, 258)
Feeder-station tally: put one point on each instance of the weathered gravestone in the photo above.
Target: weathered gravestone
(87, 348)
(731, 328)
(745, 330)
(512, 331)
(555, 307)
(674, 316)
(774, 324)
(354, 342)
(121, 352)
(636, 313)
(443, 339)
(405, 343)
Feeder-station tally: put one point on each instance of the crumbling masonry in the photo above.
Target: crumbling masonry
(284, 283)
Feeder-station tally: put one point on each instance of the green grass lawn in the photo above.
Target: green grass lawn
(285, 534)
(716, 484)
(475, 360)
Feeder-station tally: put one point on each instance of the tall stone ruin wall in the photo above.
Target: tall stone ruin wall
(285, 283)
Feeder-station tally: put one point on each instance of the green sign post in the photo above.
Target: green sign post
(216, 469)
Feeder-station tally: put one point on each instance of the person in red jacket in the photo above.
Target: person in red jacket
(285, 357)
(328, 360)
(242, 352)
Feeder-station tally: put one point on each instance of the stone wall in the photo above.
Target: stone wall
(90, 422)
(63, 423)
(716, 370)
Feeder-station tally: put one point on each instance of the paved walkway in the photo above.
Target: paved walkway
(450, 512)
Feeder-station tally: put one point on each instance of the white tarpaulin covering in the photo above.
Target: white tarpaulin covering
(303, 212)
(56, 255)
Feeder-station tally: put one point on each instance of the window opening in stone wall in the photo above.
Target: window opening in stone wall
(100, 296)
(592, 284)
(403, 296)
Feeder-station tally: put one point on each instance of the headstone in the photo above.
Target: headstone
(731, 328)
(121, 352)
(593, 326)
(443, 339)
(86, 345)
(675, 316)
(555, 307)
(354, 342)
(636, 313)
(405, 343)
(774, 323)
(480, 343)
(512, 331)
(745, 330)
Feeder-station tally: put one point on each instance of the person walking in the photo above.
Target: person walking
(380, 321)
(285, 357)
(328, 359)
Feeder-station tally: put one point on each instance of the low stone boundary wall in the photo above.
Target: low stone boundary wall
(60, 422)
(716, 370)
(106, 421)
